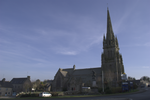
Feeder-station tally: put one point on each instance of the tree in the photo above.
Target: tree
(36, 84)
(145, 78)
(131, 78)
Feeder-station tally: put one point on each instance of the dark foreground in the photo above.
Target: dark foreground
(144, 95)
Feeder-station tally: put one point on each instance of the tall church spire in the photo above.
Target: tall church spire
(110, 33)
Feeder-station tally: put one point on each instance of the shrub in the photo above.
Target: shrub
(116, 89)
(34, 95)
(29, 95)
(54, 93)
(25, 95)
(135, 86)
(100, 90)
(108, 90)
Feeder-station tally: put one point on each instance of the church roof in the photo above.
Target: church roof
(68, 70)
(86, 71)
(80, 71)
(64, 73)
(84, 74)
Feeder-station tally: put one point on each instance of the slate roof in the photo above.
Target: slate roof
(18, 80)
(64, 73)
(86, 71)
(5, 84)
(69, 70)
(84, 74)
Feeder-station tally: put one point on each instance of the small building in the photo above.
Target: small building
(5, 88)
(144, 83)
(21, 84)
(48, 85)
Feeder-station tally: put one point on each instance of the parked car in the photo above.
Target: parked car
(45, 94)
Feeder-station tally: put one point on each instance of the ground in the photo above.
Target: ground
(143, 94)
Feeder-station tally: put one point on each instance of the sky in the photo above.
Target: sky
(37, 37)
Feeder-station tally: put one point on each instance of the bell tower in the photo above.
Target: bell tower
(112, 63)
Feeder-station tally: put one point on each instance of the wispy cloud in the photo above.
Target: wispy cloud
(68, 52)
(120, 23)
(81, 37)
(147, 44)
(145, 67)
(22, 56)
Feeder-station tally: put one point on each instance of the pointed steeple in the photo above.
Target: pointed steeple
(110, 33)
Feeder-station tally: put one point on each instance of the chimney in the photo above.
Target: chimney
(28, 77)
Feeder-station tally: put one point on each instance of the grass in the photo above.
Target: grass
(76, 96)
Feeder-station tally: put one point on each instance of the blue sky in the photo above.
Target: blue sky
(37, 37)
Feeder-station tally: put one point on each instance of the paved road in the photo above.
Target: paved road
(137, 96)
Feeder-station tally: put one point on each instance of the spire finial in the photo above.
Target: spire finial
(107, 6)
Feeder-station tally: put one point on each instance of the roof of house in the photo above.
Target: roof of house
(18, 80)
(5, 84)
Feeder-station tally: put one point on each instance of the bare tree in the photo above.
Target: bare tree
(27, 86)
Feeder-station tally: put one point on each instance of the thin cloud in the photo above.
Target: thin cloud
(147, 44)
(68, 53)
(119, 25)
(84, 35)
(15, 54)
(145, 67)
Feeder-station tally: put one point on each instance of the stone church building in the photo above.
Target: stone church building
(112, 67)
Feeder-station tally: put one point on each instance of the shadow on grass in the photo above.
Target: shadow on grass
(78, 96)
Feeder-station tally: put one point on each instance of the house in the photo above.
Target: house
(48, 85)
(21, 84)
(5, 88)
(144, 83)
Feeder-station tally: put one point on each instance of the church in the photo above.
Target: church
(72, 79)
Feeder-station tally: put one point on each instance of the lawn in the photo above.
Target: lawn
(76, 96)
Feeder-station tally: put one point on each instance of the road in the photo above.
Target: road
(137, 96)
